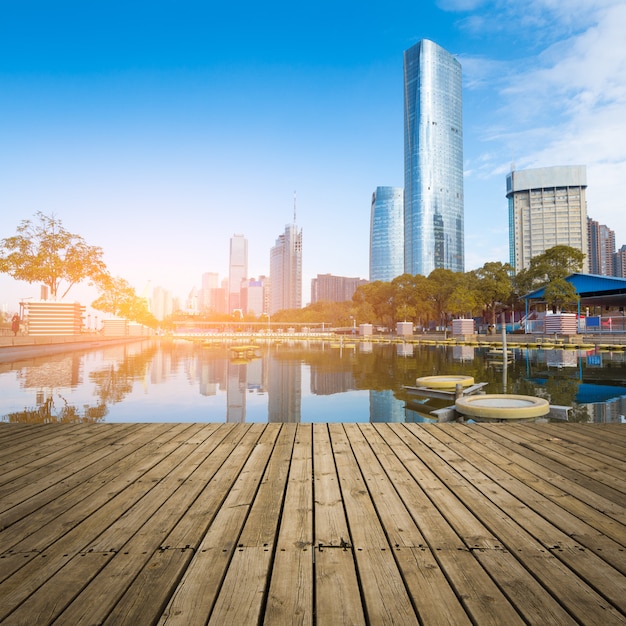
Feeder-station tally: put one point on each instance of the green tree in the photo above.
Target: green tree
(556, 262)
(493, 286)
(44, 252)
(379, 296)
(559, 294)
(119, 298)
(412, 298)
(443, 283)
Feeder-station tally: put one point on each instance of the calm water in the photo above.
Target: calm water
(178, 381)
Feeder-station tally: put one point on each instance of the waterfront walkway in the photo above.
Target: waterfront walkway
(323, 524)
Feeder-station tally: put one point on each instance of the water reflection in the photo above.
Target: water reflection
(294, 381)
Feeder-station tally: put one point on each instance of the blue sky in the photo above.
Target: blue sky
(159, 129)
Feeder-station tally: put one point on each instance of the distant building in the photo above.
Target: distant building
(237, 270)
(387, 234)
(161, 304)
(619, 263)
(329, 288)
(601, 248)
(255, 295)
(286, 270)
(433, 160)
(547, 208)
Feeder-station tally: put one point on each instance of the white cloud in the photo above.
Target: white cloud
(567, 104)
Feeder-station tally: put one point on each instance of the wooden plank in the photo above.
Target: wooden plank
(146, 598)
(582, 459)
(290, 596)
(194, 598)
(56, 497)
(70, 535)
(577, 519)
(337, 593)
(474, 563)
(564, 480)
(425, 524)
(513, 530)
(584, 468)
(37, 531)
(385, 597)
(43, 466)
(610, 449)
(434, 599)
(101, 595)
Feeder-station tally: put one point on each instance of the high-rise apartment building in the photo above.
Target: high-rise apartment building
(547, 207)
(619, 263)
(601, 248)
(433, 160)
(237, 270)
(387, 234)
(286, 270)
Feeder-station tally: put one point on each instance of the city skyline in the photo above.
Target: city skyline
(156, 133)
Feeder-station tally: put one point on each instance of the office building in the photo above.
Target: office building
(433, 160)
(387, 234)
(237, 270)
(547, 208)
(286, 270)
(601, 248)
(329, 288)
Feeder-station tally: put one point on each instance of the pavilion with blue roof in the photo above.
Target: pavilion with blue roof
(593, 291)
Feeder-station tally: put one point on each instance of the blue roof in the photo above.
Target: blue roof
(592, 286)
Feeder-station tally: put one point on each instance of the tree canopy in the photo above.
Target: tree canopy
(119, 298)
(555, 263)
(44, 252)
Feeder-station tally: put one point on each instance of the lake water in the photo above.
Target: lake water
(294, 381)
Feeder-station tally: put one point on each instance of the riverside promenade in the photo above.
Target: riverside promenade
(317, 524)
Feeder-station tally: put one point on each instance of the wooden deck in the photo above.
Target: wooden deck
(312, 524)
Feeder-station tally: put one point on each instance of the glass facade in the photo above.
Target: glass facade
(387, 234)
(433, 160)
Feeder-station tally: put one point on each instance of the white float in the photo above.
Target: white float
(502, 406)
(444, 382)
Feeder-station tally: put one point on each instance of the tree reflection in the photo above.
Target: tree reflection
(113, 382)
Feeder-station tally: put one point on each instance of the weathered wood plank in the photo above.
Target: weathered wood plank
(290, 596)
(337, 593)
(313, 524)
(258, 510)
(101, 595)
(385, 598)
(470, 556)
(577, 519)
(514, 530)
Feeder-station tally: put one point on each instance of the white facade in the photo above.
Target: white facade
(286, 270)
(547, 208)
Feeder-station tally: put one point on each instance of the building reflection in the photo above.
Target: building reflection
(84, 386)
(284, 390)
(385, 407)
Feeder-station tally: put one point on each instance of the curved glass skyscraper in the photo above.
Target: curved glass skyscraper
(433, 160)
(387, 234)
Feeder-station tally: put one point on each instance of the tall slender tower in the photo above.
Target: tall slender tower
(433, 160)
(387, 234)
(286, 269)
(237, 270)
